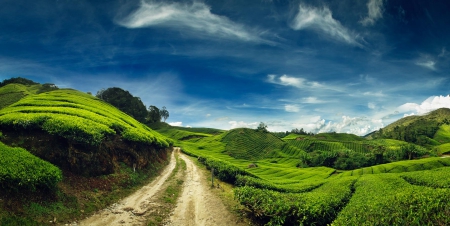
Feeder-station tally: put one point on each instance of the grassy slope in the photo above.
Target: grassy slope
(276, 170)
(78, 116)
(83, 118)
(12, 93)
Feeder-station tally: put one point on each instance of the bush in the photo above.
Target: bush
(21, 170)
(318, 207)
(387, 199)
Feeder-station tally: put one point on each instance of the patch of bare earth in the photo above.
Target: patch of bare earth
(134, 209)
(197, 204)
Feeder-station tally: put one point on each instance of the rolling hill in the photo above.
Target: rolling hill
(87, 135)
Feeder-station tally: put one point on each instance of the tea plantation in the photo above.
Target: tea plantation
(275, 183)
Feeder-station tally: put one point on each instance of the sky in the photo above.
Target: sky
(344, 66)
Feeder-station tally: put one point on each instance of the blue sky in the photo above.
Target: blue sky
(345, 66)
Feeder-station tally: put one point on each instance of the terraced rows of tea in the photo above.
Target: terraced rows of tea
(278, 192)
(78, 116)
(309, 144)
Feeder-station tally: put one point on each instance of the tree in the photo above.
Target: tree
(262, 127)
(153, 114)
(124, 101)
(18, 80)
(164, 113)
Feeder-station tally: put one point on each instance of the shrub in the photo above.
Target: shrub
(21, 170)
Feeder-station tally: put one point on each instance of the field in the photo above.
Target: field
(76, 116)
(277, 190)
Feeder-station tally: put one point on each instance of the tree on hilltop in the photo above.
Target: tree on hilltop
(124, 101)
(153, 114)
(164, 113)
(262, 127)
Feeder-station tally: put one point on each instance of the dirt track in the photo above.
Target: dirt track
(131, 210)
(197, 205)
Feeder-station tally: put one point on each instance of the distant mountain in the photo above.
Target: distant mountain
(426, 130)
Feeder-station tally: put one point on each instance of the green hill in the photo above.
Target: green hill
(250, 144)
(426, 130)
(87, 135)
(12, 93)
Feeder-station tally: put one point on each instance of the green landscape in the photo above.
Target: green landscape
(65, 154)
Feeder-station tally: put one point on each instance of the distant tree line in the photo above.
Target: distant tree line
(300, 131)
(349, 160)
(133, 106)
(46, 87)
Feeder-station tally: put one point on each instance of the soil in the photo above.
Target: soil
(132, 210)
(196, 205)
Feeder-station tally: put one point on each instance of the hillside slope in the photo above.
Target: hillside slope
(80, 133)
(421, 130)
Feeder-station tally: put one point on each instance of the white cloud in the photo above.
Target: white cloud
(312, 100)
(322, 20)
(196, 17)
(242, 124)
(176, 123)
(374, 94)
(371, 105)
(208, 115)
(291, 108)
(430, 104)
(375, 8)
(286, 80)
(357, 125)
(427, 64)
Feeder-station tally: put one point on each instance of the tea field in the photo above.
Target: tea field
(277, 189)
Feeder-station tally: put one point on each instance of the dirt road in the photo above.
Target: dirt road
(197, 204)
(131, 210)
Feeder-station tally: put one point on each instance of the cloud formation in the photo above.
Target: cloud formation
(356, 125)
(321, 20)
(242, 124)
(427, 64)
(286, 80)
(176, 123)
(375, 8)
(291, 108)
(430, 104)
(196, 17)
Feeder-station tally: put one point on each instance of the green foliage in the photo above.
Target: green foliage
(437, 178)
(153, 114)
(178, 134)
(389, 200)
(402, 166)
(78, 117)
(223, 170)
(423, 130)
(164, 113)
(11, 93)
(250, 144)
(22, 171)
(302, 186)
(443, 134)
(262, 127)
(317, 207)
(124, 101)
(17, 80)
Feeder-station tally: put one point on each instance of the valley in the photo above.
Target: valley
(71, 158)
